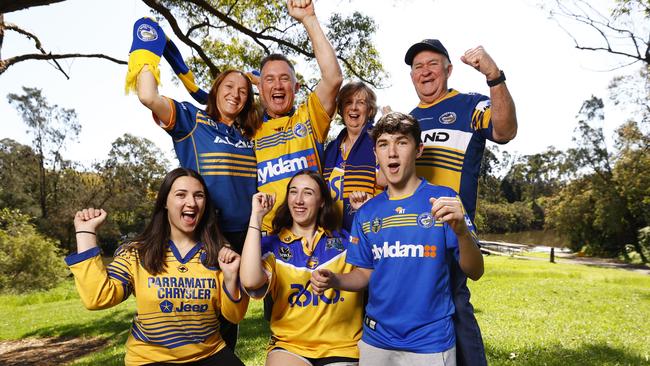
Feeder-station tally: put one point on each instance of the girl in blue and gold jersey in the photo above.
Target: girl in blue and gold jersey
(306, 329)
(180, 270)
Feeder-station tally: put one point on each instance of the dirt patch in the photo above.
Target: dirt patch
(47, 351)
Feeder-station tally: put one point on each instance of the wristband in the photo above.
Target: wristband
(256, 228)
(497, 81)
(85, 232)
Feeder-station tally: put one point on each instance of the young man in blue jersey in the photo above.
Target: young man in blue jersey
(455, 127)
(401, 242)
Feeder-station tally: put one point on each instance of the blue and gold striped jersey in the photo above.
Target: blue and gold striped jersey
(177, 312)
(410, 304)
(454, 131)
(302, 322)
(286, 145)
(222, 155)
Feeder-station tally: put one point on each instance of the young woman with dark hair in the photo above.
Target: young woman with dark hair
(181, 270)
(306, 329)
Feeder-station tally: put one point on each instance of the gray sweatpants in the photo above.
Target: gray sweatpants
(373, 356)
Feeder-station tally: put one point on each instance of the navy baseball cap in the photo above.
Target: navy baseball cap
(426, 44)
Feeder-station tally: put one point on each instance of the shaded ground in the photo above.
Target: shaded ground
(47, 351)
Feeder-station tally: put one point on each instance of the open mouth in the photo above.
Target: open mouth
(277, 98)
(299, 210)
(189, 217)
(393, 168)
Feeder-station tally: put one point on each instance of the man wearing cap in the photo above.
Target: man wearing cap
(455, 127)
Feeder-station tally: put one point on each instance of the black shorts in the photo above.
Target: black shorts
(223, 357)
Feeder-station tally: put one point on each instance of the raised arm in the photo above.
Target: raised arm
(251, 271)
(98, 287)
(147, 90)
(450, 210)
(504, 115)
(331, 76)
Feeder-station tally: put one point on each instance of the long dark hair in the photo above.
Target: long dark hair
(328, 216)
(151, 244)
(250, 117)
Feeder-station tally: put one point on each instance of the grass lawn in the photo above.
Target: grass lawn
(530, 312)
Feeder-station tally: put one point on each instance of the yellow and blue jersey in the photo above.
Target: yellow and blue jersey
(454, 131)
(286, 145)
(350, 171)
(302, 322)
(222, 155)
(177, 312)
(410, 306)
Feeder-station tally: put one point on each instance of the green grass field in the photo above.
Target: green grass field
(530, 312)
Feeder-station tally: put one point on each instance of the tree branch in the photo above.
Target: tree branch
(5, 64)
(257, 36)
(9, 6)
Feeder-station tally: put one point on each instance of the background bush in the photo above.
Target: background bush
(28, 260)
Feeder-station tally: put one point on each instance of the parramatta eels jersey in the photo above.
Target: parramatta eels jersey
(222, 155)
(286, 145)
(178, 311)
(454, 131)
(410, 305)
(302, 322)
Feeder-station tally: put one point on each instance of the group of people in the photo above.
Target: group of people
(362, 248)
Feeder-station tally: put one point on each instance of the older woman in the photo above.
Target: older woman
(349, 164)
(306, 329)
(179, 269)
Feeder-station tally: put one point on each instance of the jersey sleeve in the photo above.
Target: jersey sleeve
(233, 308)
(182, 120)
(359, 251)
(482, 116)
(100, 287)
(319, 118)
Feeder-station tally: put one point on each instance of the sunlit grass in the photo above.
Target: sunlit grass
(530, 312)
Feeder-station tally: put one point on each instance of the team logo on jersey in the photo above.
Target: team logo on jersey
(400, 210)
(354, 239)
(286, 166)
(375, 225)
(300, 130)
(447, 118)
(334, 243)
(147, 33)
(182, 268)
(285, 253)
(425, 220)
(166, 306)
(238, 144)
(399, 250)
(312, 262)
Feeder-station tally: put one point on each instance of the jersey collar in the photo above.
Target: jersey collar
(287, 236)
(452, 93)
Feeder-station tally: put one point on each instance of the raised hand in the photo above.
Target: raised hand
(479, 59)
(357, 199)
(321, 280)
(89, 219)
(229, 262)
(300, 9)
(449, 210)
(262, 204)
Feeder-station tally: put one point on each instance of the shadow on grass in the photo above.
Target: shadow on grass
(107, 326)
(557, 355)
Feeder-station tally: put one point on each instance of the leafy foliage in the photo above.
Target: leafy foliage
(28, 260)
